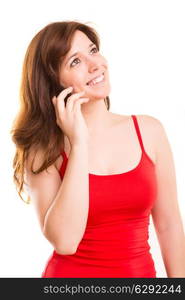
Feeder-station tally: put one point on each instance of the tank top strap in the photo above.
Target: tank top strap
(64, 163)
(64, 155)
(138, 132)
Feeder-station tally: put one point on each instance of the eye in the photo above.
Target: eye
(75, 60)
(94, 48)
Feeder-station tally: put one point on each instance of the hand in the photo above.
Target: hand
(69, 118)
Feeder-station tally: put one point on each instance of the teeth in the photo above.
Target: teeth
(98, 79)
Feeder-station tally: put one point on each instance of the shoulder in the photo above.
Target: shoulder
(146, 123)
(153, 130)
(147, 120)
(150, 125)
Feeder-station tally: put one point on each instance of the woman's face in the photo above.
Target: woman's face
(85, 65)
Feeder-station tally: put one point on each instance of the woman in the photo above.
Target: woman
(94, 176)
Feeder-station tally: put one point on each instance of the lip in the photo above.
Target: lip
(96, 77)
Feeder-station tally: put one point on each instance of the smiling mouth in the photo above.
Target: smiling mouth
(96, 80)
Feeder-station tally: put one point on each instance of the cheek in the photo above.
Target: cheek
(78, 78)
(63, 79)
(72, 79)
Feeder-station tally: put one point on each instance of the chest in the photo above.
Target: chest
(113, 154)
(116, 151)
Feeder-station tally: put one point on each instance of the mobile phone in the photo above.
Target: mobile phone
(65, 99)
(58, 90)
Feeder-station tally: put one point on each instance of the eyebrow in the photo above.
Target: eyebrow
(92, 44)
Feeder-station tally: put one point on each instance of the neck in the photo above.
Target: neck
(96, 115)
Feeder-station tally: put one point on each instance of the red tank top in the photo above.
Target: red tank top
(115, 242)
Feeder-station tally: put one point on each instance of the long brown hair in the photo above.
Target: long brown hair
(35, 124)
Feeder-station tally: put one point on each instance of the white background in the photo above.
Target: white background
(144, 44)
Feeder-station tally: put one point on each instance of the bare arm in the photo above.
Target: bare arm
(62, 207)
(166, 215)
(66, 219)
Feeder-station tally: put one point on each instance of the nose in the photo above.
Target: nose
(93, 65)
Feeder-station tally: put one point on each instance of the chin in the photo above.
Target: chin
(99, 94)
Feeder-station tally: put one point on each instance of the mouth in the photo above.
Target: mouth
(96, 80)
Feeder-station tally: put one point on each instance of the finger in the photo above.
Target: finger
(54, 100)
(62, 96)
(77, 95)
(72, 99)
(77, 104)
(65, 92)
